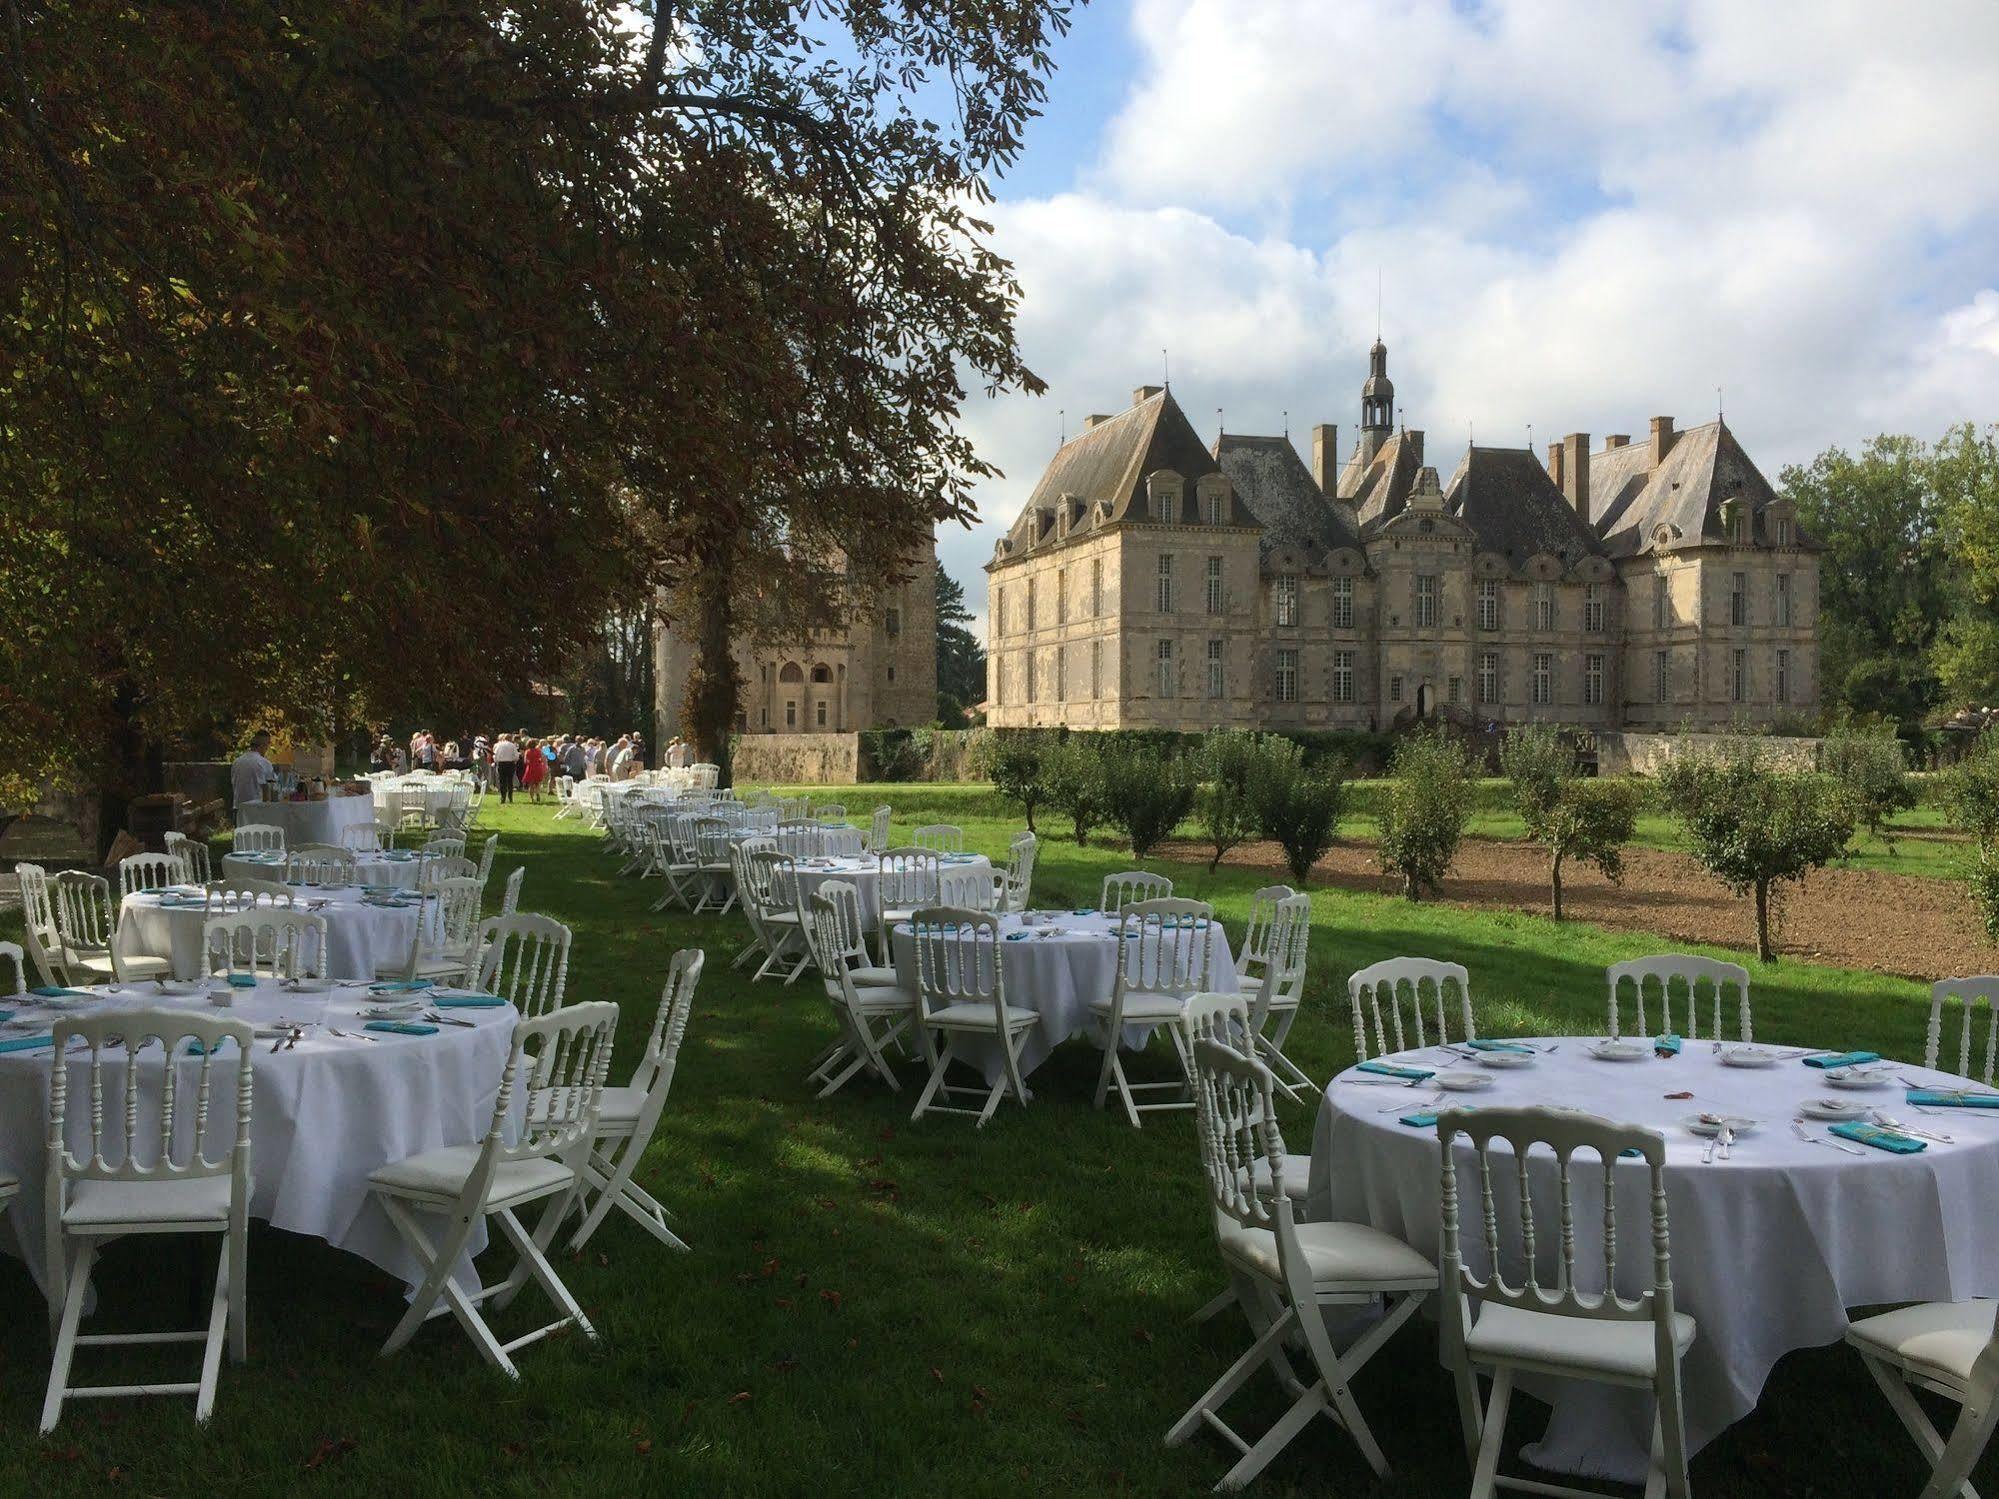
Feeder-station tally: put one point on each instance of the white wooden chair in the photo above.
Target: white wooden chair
(629, 1115)
(1163, 956)
(175, 1163)
(1285, 1273)
(842, 842)
(907, 881)
(863, 995)
(257, 838)
(510, 893)
(1280, 989)
(142, 872)
(1254, 957)
(221, 897)
(524, 958)
(960, 992)
(967, 889)
(801, 839)
(1969, 994)
(265, 943)
(488, 852)
(1555, 1321)
(1946, 1348)
(1673, 974)
(559, 1061)
(1123, 889)
(321, 864)
(745, 881)
(939, 838)
(830, 812)
(445, 944)
(192, 855)
(11, 954)
(87, 933)
(1013, 884)
(433, 872)
(367, 837)
(878, 830)
(444, 846)
(769, 878)
(1390, 979)
(713, 875)
(38, 921)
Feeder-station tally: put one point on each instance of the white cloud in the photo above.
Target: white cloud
(1582, 215)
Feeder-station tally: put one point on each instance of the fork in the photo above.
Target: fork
(1889, 1121)
(1798, 1129)
(1418, 1104)
(448, 1019)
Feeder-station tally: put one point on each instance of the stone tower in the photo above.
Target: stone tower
(1377, 404)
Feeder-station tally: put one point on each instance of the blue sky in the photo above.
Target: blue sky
(1581, 215)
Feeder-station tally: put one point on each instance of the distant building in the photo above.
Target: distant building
(877, 671)
(1153, 581)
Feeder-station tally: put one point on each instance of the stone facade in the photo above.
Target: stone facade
(878, 671)
(1154, 582)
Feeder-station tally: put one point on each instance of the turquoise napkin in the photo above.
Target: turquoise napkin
(1390, 1069)
(1512, 1047)
(1421, 1119)
(1879, 1138)
(242, 980)
(1844, 1059)
(400, 986)
(6, 1014)
(1084, 911)
(1668, 1044)
(1018, 936)
(195, 1048)
(398, 854)
(55, 991)
(468, 1002)
(401, 1027)
(27, 1043)
(1944, 1098)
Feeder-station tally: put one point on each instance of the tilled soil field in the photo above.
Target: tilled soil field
(1908, 925)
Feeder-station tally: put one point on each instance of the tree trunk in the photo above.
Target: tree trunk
(134, 766)
(1763, 949)
(713, 687)
(1555, 879)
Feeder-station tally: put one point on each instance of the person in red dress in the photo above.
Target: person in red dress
(534, 769)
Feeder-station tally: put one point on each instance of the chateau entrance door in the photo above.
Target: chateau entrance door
(1426, 700)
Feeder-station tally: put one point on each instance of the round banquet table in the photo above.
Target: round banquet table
(392, 869)
(323, 1114)
(309, 822)
(429, 795)
(864, 874)
(1056, 968)
(362, 938)
(1770, 1247)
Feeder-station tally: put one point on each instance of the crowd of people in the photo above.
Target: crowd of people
(517, 761)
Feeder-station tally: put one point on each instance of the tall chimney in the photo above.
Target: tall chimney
(1094, 419)
(1575, 472)
(1555, 469)
(1326, 456)
(1145, 393)
(1414, 440)
(1663, 438)
(1616, 440)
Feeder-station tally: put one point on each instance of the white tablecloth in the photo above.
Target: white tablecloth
(309, 822)
(323, 1115)
(427, 794)
(1769, 1248)
(397, 871)
(864, 874)
(363, 939)
(1058, 976)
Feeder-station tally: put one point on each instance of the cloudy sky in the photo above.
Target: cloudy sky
(1580, 215)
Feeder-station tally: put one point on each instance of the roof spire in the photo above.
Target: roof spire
(1717, 403)
(1377, 304)
(1287, 421)
(1062, 417)
(1165, 371)
(1219, 428)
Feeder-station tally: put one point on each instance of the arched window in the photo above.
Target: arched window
(822, 673)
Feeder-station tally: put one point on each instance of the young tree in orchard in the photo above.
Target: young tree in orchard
(1569, 814)
(1233, 767)
(1147, 793)
(1871, 775)
(1014, 762)
(1752, 826)
(1429, 802)
(1072, 779)
(1298, 809)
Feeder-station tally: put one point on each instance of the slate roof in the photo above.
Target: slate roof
(1272, 480)
(1704, 468)
(1514, 509)
(1110, 462)
(1381, 490)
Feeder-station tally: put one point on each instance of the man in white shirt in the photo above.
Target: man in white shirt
(506, 764)
(620, 756)
(250, 773)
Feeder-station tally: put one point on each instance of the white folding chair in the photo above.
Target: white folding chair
(1285, 1273)
(1969, 994)
(1392, 978)
(939, 838)
(1013, 884)
(1254, 957)
(908, 880)
(1946, 1348)
(559, 1060)
(862, 994)
(192, 855)
(878, 831)
(510, 893)
(10, 953)
(87, 933)
(1280, 988)
(488, 852)
(257, 838)
(38, 920)
(444, 846)
(630, 1114)
(1121, 890)
(842, 842)
(1678, 973)
(830, 812)
(366, 837)
(524, 958)
(321, 864)
(772, 883)
(1163, 956)
(174, 1163)
(265, 943)
(1555, 1321)
(142, 872)
(745, 880)
(960, 992)
(445, 944)
(713, 874)
(967, 889)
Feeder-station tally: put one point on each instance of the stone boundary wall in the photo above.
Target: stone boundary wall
(797, 759)
(1621, 752)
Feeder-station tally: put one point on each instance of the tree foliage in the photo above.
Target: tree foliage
(1569, 814)
(961, 659)
(1235, 766)
(1970, 791)
(1752, 826)
(1147, 793)
(1072, 778)
(1870, 774)
(1429, 802)
(1013, 763)
(1300, 809)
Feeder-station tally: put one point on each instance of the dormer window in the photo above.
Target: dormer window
(1217, 510)
(1780, 531)
(1163, 492)
(1212, 491)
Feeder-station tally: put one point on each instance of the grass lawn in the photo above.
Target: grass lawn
(874, 1307)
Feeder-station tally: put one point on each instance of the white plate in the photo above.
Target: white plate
(1505, 1059)
(1747, 1056)
(1462, 1082)
(1620, 1051)
(311, 986)
(1705, 1125)
(1832, 1108)
(401, 1010)
(1870, 1076)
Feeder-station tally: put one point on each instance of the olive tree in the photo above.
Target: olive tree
(1570, 815)
(1752, 826)
(1429, 802)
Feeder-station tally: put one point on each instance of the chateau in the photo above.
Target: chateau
(1153, 581)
